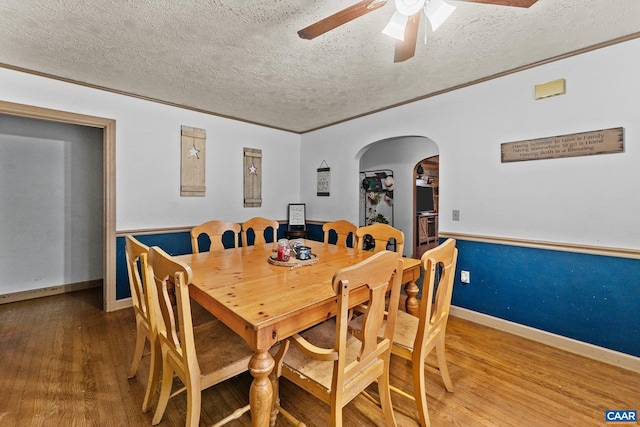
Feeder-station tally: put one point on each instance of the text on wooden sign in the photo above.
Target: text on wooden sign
(577, 144)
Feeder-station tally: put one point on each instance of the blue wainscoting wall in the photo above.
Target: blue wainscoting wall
(590, 298)
(179, 243)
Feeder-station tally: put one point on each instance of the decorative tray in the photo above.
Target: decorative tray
(293, 261)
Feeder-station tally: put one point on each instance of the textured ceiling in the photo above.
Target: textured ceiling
(243, 59)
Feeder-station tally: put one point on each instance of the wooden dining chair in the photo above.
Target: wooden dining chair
(332, 365)
(136, 255)
(415, 337)
(342, 229)
(200, 356)
(214, 230)
(259, 226)
(381, 234)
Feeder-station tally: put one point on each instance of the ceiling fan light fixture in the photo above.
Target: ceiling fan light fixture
(396, 26)
(437, 11)
(409, 7)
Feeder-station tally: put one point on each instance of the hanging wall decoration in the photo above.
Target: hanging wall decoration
(324, 175)
(252, 178)
(192, 166)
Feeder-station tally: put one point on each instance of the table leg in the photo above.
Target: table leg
(261, 391)
(411, 304)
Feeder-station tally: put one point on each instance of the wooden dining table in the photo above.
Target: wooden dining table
(266, 303)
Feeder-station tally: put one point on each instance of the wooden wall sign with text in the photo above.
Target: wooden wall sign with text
(576, 144)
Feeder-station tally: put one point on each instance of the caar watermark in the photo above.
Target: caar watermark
(621, 416)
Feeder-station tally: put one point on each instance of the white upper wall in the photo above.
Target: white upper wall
(582, 200)
(590, 200)
(148, 155)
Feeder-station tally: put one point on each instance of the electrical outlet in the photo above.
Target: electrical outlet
(464, 276)
(455, 215)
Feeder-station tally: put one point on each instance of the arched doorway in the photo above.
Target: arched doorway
(400, 155)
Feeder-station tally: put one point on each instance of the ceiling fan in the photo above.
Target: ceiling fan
(404, 22)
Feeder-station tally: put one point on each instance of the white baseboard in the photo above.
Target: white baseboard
(62, 289)
(591, 351)
(123, 303)
(52, 290)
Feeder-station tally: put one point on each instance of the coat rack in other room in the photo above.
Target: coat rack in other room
(376, 197)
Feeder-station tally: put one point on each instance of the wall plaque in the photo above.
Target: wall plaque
(324, 177)
(576, 144)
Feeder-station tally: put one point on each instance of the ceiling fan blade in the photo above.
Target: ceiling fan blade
(407, 48)
(339, 18)
(513, 3)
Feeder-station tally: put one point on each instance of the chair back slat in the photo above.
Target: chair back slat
(259, 225)
(382, 234)
(136, 255)
(168, 274)
(439, 266)
(215, 230)
(142, 296)
(342, 229)
(377, 274)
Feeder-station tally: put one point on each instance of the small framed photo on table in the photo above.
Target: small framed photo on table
(297, 221)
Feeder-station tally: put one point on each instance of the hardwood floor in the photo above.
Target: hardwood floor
(64, 362)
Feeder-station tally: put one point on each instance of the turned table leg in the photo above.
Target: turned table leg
(410, 274)
(411, 304)
(261, 391)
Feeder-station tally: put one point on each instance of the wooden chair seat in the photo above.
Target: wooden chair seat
(406, 329)
(200, 315)
(316, 371)
(222, 354)
(404, 335)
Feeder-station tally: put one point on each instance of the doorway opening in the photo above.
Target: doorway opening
(108, 155)
(426, 194)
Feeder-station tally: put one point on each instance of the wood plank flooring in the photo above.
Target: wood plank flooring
(64, 362)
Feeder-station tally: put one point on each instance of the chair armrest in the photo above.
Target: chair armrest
(313, 351)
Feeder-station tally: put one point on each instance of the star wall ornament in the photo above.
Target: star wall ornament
(253, 170)
(193, 152)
